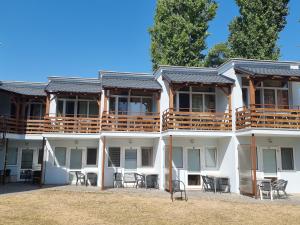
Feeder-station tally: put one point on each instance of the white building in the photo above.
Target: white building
(240, 121)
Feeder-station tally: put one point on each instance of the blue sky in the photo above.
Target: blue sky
(79, 38)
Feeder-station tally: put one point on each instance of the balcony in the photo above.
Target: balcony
(268, 116)
(50, 124)
(146, 122)
(181, 120)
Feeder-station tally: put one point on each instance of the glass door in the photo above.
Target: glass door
(194, 167)
(130, 159)
(26, 164)
(269, 162)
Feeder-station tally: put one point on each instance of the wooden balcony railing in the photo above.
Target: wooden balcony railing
(268, 116)
(148, 122)
(177, 120)
(51, 124)
(72, 125)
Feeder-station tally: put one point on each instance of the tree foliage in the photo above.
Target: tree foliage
(179, 31)
(217, 55)
(255, 32)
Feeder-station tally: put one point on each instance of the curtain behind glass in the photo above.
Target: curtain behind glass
(197, 103)
(211, 157)
(60, 156)
(82, 108)
(194, 159)
(130, 159)
(76, 159)
(287, 159)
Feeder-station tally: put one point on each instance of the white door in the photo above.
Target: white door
(130, 159)
(269, 162)
(194, 167)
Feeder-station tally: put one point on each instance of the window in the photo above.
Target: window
(91, 156)
(60, 108)
(287, 159)
(178, 157)
(75, 106)
(130, 159)
(211, 157)
(40, 157)
(245, 96)
(27, 159)
(76, 159)
(194, 159)
(114, 157)
(12, 155)
(60, 156)
(147, 156)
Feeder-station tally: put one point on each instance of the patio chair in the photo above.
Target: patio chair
(27, 175)
(118, 180)
(91, 178)
(140, 180)
(36, 176)
(6, 175)
(280, 185)
(265, 187)
(177, 187)
(80, 177)
(208, 183)
(129, 178)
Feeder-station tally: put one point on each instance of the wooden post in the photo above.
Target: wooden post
(170, 163)
(158, 102)
(5, 161)
(43, 162)
(252, 92)
(253, 160)
(47, 110)
(229, 99)
(103, 163)
(171, 97)
(105, 102)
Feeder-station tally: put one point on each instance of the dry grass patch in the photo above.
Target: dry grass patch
(68, 207)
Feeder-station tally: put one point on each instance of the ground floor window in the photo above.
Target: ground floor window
(194, 179)
(60, 156)
(76, 159)
(130, 158)
(91, 156)
(147, 156)
(287, 159)
(114, 154)
(178, 157)
(12, 156)
(211, 157)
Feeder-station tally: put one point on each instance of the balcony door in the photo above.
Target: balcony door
(269, 162)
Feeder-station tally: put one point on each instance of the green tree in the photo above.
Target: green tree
(217, 55)
(179, 31)
(255, 32)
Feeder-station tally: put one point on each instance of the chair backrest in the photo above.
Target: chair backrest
(79, 174)
(265, 186)
(281, 184)
(139, 176)
(129, 177)
(176, 186)
(118, 176)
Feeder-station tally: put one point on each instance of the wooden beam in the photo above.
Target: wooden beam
(158, 102)
(170, 163)
(253, 165)
(171, 97)
(47, 110)
(252, 92)
(103, 163)
(43, 163)
(99, 105)
(105, 102)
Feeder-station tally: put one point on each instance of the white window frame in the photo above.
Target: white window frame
(76, 101)
(191, 93)
(294, 162)
(216, 157)
(141, 157)
(128, 101)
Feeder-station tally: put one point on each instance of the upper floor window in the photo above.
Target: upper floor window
(34, 110)
(77, 107)
(134, 105)
(196, 99)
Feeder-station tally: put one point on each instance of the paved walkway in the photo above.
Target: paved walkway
(14, 188)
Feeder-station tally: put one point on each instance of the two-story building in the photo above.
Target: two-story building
(240, 121)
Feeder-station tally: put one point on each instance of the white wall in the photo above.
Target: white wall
(136, 143)
(293, 177)
(61, 174)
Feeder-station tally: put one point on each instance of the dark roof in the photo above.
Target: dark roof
(194, 75)
(74, 85)
(129, 80)
(264, 69)
(24, 88)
